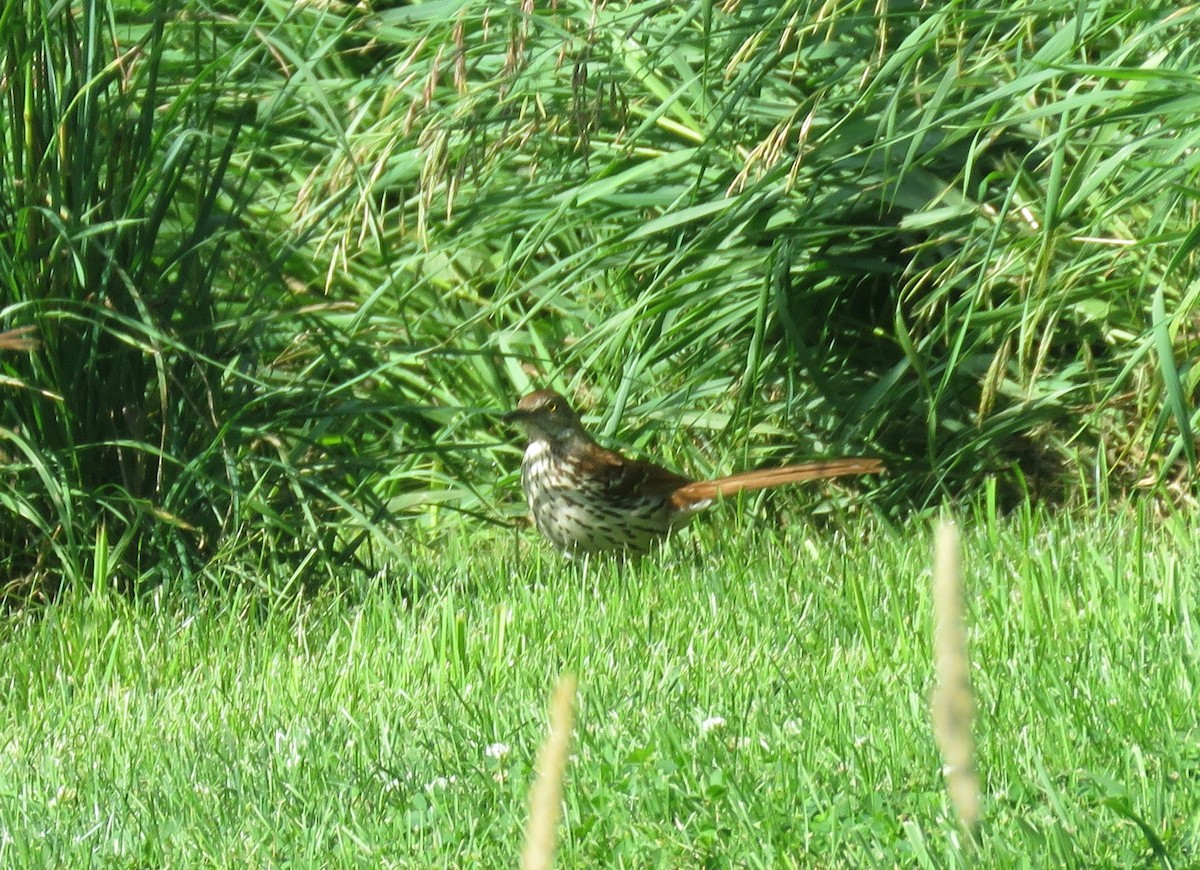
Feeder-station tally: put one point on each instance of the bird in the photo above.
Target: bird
(587, 499)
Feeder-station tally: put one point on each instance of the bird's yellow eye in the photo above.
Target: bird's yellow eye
(552, 407)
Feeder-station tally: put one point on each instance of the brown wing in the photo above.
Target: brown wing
(630, 478)
(749, 481)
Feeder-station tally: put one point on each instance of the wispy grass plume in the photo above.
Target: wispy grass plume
(23, 338)
(953, 703)
(546, 795)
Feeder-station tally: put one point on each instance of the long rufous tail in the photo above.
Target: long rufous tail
(748, 481)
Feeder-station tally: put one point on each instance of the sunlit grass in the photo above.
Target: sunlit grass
(751, 697)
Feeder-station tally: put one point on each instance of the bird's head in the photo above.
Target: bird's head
(545, 415)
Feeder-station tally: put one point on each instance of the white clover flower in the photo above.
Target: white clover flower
(496, 751)
(712, 723)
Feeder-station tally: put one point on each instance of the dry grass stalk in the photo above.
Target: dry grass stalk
(953, 704)
(545, 798)
(22, 338)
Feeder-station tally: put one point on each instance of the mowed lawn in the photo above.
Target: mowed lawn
(751, 698)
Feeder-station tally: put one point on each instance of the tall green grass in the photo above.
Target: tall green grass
(189, 395)
(284, 259)
(938, 230)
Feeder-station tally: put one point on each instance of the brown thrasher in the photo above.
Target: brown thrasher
(587, 499)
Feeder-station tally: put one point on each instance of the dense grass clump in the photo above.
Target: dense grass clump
(185, 400)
